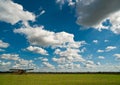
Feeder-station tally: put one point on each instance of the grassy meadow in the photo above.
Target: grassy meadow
(60, 79)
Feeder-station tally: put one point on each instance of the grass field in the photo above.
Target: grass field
(60, 79)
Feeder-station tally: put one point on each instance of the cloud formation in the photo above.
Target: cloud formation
(41, 37)
(101, 57)
(68, 2)
(92, 13)
(10, 56)
(37, 50)
(14, 61)
(117, 56)
(109, 48)
(11, 12)
(95, 41)
(47, 64)
(100, 51)
(3, 44)
(5, 63)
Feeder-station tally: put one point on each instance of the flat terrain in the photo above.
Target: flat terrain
(60, 79)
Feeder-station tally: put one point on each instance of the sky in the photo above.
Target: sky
(60, 35)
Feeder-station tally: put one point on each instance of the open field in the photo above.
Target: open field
(60, 79)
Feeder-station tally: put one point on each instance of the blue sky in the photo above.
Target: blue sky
(60, 35)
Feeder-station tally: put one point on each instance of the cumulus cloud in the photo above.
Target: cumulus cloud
(44, 59)
(3, 44)
(101, 57)
(10, 56)
(17, 62)
(83, 50)
(89, 64)
(92, 13)
(68, 2)
(109, 48)
(37, 50)
(59, 60)
(98, 63)
(69, 66)
(47, 64)
(95, 41)
(100, 51)
(70, 54)
(41, 37)
(115, 20)
(4, 66)
(71, 3)
(11, 12)
(117, 56)
(73, 44)
(106, 40)
(68, 58)
(5, 63)
(23, 64)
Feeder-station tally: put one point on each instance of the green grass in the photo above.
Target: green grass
(60, 79)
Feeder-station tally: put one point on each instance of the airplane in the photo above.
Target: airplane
(20, 71)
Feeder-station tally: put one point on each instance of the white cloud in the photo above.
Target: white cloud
(101, 57)
(89, 64)
(42, 12)
(90, 56)
(68, 66)
(44, 59)
(60, 2)
(67, 58)
(83, 50)
(37, 50)
(47, 64)
(100, 51)
(92, 13)
(71, 55)
(5, 63)
(39, 36)
(109, 48)
(98, 63)
(68, 2)
(71, 3)
(106, 40)
(73, 45)
(23, 64)
(115, 20)
(17, 62)
(117, 56)
(10, 56)
(95, 41)
(11, 12)
(4, 66)
(3, 44)
(59, 60)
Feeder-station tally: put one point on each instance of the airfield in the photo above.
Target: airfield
(60, 79)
